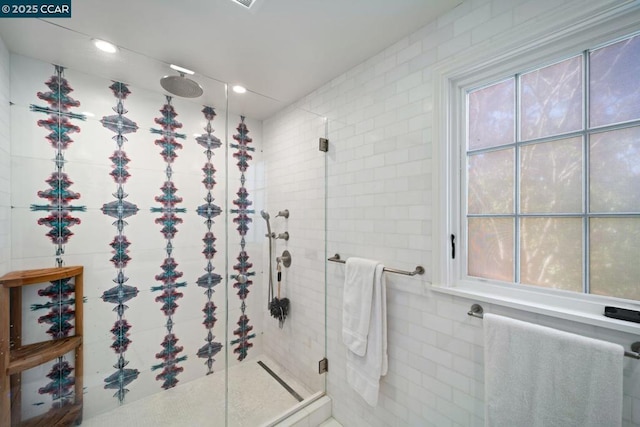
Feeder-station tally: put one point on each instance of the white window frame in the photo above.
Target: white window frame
(546, 41)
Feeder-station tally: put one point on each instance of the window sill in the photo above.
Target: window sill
(585, 311)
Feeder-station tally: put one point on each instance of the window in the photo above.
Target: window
(552, 179)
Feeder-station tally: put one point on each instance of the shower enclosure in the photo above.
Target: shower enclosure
(159, 198)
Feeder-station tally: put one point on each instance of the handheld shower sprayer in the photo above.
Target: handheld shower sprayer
(270, 236)
(266, 217)
(279, 308)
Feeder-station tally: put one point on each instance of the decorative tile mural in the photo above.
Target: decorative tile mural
(59, 195)
(209, 211)
(138, 342)
(59, 219)
(120, 209)
(242, 219)
(169, 221)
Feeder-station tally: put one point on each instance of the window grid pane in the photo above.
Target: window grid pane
(491, 115)
(492, 192)
(551, 252)
(614, 166)
(551, 177)
(613, 81)
(614, 266)
(602, 174)
(551, 100)
(491, 242)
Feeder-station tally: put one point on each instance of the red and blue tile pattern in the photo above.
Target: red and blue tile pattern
(120, 209)
(243, 267)
(59, 219)
(209, 210)
(59, 195)
(169, 219)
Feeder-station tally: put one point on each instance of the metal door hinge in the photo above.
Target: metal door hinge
(324, 144)
(323, 366)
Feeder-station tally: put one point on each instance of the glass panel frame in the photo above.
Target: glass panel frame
(93, 165)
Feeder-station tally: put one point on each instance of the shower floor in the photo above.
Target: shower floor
(255, 397)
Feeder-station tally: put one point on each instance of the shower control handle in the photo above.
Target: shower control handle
(284, 213)
(285, 259)
(284, 236)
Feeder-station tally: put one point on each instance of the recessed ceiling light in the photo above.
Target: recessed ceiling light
(105, 46)
(181, 70)
(239, 89)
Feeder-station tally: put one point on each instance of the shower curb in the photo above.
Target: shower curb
(311, 412)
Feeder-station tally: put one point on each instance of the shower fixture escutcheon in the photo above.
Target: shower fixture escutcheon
(283, 236)
(285, 258)
(241, 278)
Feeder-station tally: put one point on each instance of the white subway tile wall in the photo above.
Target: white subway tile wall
(380, 205)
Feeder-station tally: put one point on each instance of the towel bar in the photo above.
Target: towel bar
(478, 311)
(419, 269)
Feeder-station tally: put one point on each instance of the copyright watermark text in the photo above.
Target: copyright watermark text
(35, 8)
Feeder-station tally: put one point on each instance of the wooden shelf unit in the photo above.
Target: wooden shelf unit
(16, 358)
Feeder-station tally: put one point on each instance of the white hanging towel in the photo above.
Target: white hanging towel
(359, 274)
(365, 326)
(540, 377)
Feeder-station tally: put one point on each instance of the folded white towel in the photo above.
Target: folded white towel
(364, 371)
(537, 376)
(358, 297)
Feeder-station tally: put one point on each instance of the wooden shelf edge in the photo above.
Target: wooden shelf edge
(32, 355)
(57, 417)
(42, 275)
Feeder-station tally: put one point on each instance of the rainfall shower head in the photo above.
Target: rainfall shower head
(181, 86)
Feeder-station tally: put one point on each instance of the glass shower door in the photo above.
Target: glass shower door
(127, 175)
(276, 252)
(167, 193)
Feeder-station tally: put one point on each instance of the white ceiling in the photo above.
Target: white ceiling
(282, 49)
